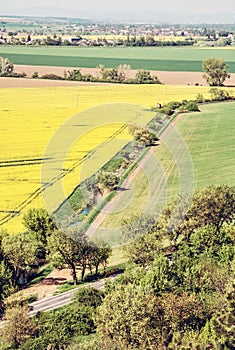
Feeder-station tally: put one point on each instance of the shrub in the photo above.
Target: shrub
(35, 75)
(192, 106)
(219, 95)
(51, 76)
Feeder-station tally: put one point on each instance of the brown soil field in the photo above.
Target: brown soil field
(172, 78)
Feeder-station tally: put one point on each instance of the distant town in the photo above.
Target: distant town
(79, 32)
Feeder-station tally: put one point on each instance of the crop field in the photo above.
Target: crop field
(29, 119)
(182, 59)
(209, 138)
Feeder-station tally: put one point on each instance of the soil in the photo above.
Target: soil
(49, 285)
(172, 78)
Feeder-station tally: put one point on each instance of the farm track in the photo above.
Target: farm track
(166, 77)
(160, 184)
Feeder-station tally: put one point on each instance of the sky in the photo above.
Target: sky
(189, 10)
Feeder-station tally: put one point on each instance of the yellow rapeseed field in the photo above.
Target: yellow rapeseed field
(30, 118)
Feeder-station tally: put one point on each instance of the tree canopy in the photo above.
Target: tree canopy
(216, 71)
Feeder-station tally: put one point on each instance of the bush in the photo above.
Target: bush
(192, 106)
(89, 297)
(18, 75)
(167, 110)
(35, 75)
(219, 95)
(200, 98)
(51, 76)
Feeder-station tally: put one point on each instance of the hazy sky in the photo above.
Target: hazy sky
(212, 8)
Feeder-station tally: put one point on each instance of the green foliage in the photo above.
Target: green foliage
(40, 223)
(192, 106)
(89, 297)
(224, 323)
(35, 75)
(143, 249)
(128, 318)
(20, 252)
(145, 77)
(219, 95)
(143, 136)
(200, 98)
(51, 76)
(107, 180)
(215, 71)
(68, 249)
(71, 249)
(19, 327)
(6, 67)
(158, 277)
(56, 329)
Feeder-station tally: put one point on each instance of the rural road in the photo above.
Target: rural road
(110, 206)
(62, 299)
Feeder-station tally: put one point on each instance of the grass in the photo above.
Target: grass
(209, 138)
(43, 274)
(69, 285)
(155, 58)
(29, 119)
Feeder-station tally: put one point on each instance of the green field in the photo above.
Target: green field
(158, 58)
(209, 137)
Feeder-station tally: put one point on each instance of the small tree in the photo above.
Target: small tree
(20, 252)
(6, 67)
(40, 223)
(108, 180)
(142, 135)
(215, 71)
(68, 249)
(19, 327)
(145, 77)
(224, 324)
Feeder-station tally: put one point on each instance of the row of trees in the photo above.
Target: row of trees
(216, 72)
(133, 41)
(21, 254)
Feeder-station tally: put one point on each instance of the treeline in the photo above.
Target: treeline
(105, 75)
(129, 41)
(22, 254)
(177, 292)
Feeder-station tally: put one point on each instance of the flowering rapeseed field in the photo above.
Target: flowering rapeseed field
(30, 117)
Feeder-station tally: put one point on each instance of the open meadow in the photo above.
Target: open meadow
(30, 117)
(209, 138)
(175, 59)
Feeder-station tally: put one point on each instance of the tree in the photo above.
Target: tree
(89, 297)
(99, 254)
(19, 326)
(224, 323)
(214, 205)
(219, 95)
(107, 180)
(145, 77)
(215, 71)
(68, 249)
(6, 67)
(129, 319)
(142, 135)
(5, 274)
(40, 223)
(20, 252)
(143, 249)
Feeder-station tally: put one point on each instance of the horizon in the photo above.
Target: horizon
(150, 10)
